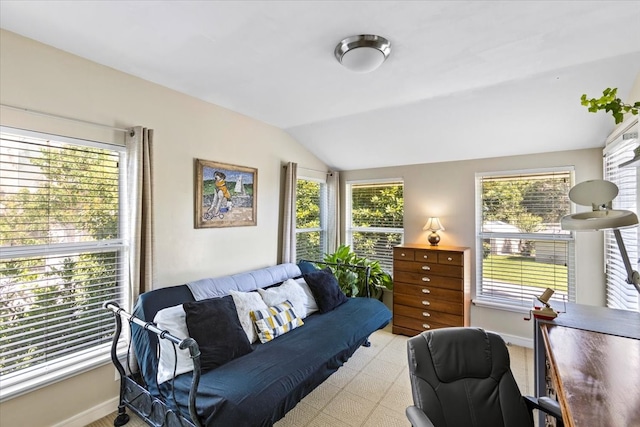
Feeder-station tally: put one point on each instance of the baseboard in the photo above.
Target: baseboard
(515, 340)
(90, 415)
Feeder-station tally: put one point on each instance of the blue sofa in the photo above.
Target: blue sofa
(260, 387)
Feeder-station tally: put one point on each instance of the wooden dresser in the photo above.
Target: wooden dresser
(431, 287)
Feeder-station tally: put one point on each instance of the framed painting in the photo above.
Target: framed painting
(226, 195)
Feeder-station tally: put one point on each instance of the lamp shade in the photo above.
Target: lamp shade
(433, 224)
(598, 194)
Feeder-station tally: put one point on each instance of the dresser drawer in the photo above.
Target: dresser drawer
(451, 258)
(419, 291)
(426, 255)
(429, 267)
(430, 279)
(420, 325)
(426, 315)
(425, 304)
(403, 254)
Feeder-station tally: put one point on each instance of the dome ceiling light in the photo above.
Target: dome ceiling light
(363, 53)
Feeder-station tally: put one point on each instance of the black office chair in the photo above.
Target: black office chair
(460, 377)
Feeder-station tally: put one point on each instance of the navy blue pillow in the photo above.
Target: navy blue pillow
(307, 267)
(325, 289)
(215, 326)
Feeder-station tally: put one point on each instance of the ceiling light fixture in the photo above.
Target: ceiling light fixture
(363, 53)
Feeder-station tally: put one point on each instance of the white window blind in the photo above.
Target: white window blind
(376, 220)
(311, 211)
(620, 294)
(521, 247)
(60, 254)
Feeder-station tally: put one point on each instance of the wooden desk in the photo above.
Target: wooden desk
(594, 359)
(596, 376)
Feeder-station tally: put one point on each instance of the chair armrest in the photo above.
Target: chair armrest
(417, 418)
(544, 404)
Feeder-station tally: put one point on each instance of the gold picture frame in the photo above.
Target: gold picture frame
(225, 195)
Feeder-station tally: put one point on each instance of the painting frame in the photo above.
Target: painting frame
(220, 205)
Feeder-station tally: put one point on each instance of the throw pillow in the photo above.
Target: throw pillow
(215, 326)
(172, 319)
(307, 267)
(246, 302)
(275, 321)
(289, 290)
(325, 289)
(310, 304)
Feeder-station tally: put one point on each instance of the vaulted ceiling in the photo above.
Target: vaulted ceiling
(465, 79)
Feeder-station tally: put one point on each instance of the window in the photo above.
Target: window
(375, 215)
(61, 255)
(311, 230)
(620, 294)
(521, 249)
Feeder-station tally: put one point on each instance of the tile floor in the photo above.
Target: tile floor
(372, 389)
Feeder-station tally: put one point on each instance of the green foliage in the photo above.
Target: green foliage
(352, 282)
(610, 103)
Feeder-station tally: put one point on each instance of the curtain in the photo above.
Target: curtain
(289, 213)
(333, 214)
(139, 143)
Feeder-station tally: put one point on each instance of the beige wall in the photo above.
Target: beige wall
(38, 77)
(447, 190)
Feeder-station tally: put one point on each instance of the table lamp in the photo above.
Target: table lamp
(433, 225)
(599, 194)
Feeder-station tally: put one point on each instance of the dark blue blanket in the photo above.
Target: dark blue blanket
(261, 387)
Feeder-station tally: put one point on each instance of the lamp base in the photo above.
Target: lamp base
(434, 239)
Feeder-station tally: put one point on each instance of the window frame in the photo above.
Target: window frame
(81, 360)
(350, 229)
(520, 305)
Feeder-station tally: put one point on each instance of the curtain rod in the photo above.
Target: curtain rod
(310, 170)
(56, 116)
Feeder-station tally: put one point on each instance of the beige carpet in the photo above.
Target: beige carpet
(371, 390)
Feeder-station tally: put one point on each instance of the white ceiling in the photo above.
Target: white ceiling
(465, 79)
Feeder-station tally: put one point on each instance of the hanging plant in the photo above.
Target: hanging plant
(610, 104)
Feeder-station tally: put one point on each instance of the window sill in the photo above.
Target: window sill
(42, 377)
(487, 303)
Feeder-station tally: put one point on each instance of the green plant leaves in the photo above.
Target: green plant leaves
(610, 103)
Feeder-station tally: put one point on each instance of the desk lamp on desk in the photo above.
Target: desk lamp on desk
(599, 194)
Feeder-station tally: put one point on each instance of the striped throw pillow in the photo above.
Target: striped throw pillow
(275, 321)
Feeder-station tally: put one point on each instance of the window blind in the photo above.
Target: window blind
(60, 253)
(376, 222)
(521, 248)
(311, 207)
(620, 294)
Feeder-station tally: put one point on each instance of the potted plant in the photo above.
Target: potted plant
(610, 103)
(352, 282)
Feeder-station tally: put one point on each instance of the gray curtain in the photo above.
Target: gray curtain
(289, 213)
(139, 143)
(333, 214)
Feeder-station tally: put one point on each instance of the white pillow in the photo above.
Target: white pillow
(310, 302)
(290, 291)
(174, 320)
(246, 302)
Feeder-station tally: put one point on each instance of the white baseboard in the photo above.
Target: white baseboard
(90, 415)
(515, 340)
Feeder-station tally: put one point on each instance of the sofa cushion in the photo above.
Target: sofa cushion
(214, 324)
(310, 304)
(290, 291)
(245, 303)
(325, 289)
(275, 321)
(172, 319)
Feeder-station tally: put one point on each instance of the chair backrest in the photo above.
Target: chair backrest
(461, 377)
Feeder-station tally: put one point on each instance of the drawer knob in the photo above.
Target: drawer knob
(425, 256)
(426, 279)
(402, 254)
(426, 326)
(425, 314)
(449, 259)
(426, 291)
(426, 268)
(426, 303)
